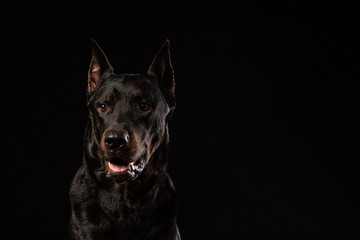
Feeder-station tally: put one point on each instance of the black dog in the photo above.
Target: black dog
(122, 189)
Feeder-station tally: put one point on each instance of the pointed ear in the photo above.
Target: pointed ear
(99, 65)
(162, 69)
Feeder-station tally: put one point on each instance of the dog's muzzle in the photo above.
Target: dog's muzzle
(121, 155)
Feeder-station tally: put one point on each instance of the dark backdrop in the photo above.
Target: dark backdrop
(263, 133)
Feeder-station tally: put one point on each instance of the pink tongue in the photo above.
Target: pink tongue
(118, 168)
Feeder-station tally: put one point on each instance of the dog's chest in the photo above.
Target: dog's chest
(126, 208)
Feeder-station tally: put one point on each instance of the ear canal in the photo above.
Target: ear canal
(99, 65)
(161, 67)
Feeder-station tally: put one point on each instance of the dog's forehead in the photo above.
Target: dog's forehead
(131, 83)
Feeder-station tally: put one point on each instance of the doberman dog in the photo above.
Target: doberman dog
(122, 189)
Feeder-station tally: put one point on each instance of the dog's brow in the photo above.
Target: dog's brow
(137, 93)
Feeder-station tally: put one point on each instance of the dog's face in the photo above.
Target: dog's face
(128, 113)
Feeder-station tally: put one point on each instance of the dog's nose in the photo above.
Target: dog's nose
(114, 140)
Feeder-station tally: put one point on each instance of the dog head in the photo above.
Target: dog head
(128, 114)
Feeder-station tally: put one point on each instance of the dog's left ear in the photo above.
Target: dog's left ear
(162, 69)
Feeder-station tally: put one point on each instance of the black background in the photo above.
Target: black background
(263, 135)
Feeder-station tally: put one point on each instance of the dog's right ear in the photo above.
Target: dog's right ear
(99, 65)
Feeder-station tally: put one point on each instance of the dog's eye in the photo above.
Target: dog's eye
(144, 107)
(102, 107)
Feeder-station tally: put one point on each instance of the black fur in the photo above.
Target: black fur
(122, 190)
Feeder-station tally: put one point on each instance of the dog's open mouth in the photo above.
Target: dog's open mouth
(116, 167)
(122, 170)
